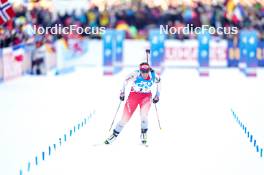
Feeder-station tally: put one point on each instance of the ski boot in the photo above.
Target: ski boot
(111, 138)
(143, 136)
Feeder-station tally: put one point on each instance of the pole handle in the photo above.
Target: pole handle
(147, 52)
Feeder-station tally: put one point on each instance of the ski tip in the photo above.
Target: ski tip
(100, 144)
(145, 145)
(106, 142)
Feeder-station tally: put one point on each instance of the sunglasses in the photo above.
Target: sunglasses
(144, 70)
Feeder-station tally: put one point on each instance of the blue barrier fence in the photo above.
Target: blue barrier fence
(248, 134)
(54, 146)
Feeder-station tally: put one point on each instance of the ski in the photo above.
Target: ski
(145, 145)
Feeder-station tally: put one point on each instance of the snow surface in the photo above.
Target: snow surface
(199, 135)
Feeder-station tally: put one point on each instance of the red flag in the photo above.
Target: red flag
(6, 11)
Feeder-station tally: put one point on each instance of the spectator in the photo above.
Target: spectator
(136, 18)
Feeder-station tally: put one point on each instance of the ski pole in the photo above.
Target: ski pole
(147, 52)
(157, 116)
(115, 115)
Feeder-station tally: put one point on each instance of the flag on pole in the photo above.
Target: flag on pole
(230, 6)
(6, 11)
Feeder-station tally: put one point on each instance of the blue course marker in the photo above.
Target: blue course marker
(49, 150)
(28, 167)
(60, 141)
(249, 135)
(36, 160)
(84, 122)
(43, 155)
(65, 137)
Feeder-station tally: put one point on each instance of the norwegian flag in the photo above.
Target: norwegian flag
(6, 11)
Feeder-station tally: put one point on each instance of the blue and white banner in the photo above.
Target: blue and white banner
(157, 47)
(243, 48)
(113, 51)
(108, 48)
(248, 47)
(119, 36)
(119, 47)
(252, 49)
(203, 49)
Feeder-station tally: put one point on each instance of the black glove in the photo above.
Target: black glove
(122, 96)
(156, 99)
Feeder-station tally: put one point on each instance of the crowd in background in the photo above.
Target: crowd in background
(135, 18)
(17, 30)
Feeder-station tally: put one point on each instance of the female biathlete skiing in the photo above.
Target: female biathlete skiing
(140, 94)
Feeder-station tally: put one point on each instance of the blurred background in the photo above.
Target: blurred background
(136, 19)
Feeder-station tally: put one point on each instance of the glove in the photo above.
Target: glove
(122, 96)
(156, 99)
